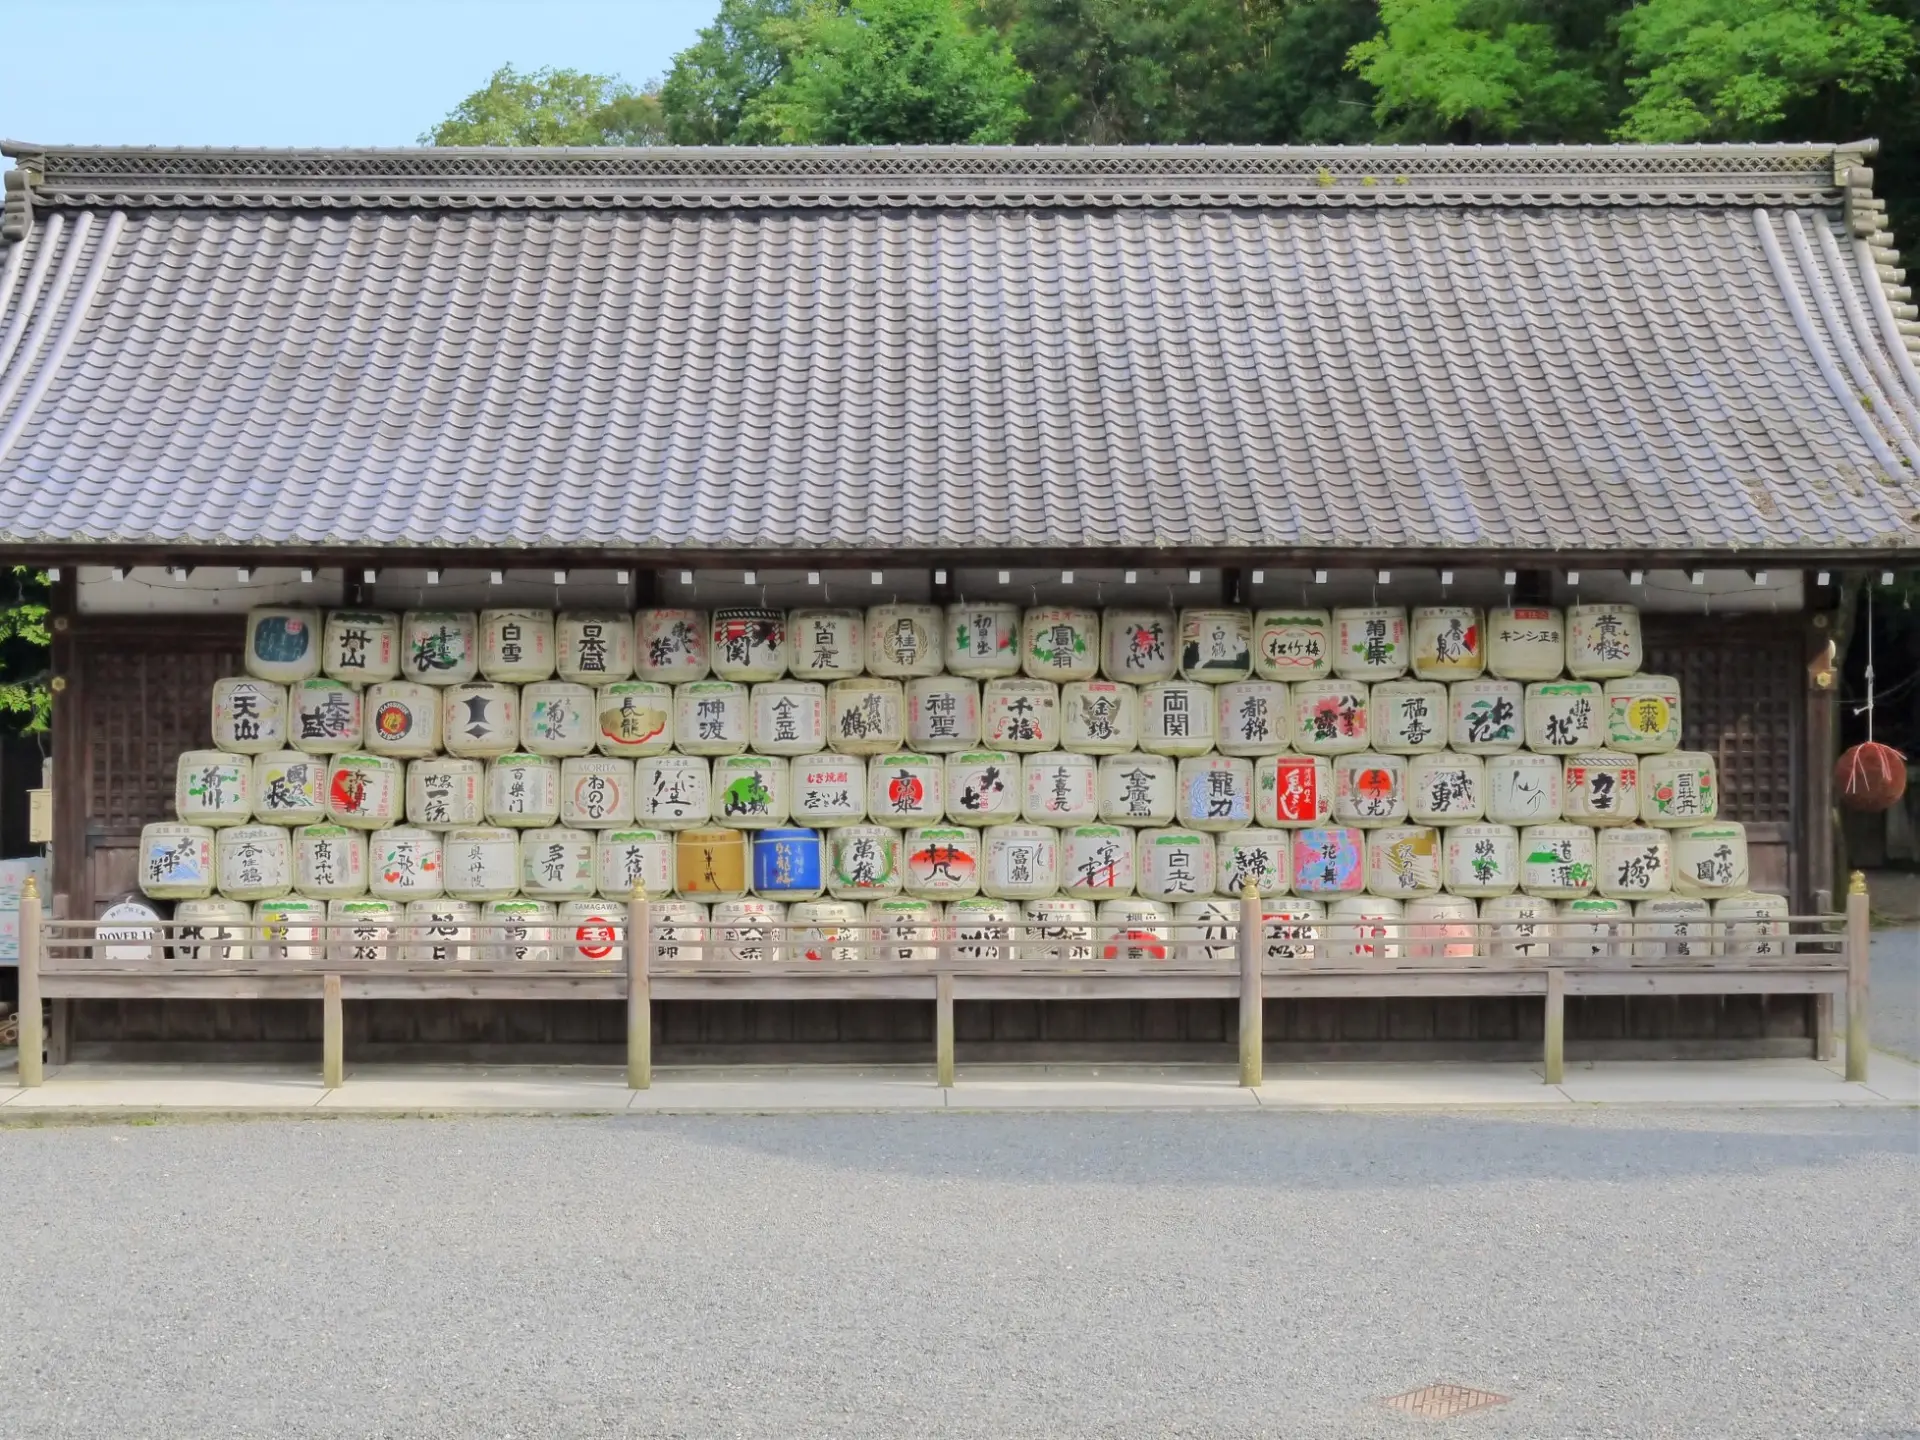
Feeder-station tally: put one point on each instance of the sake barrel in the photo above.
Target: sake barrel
(1022, 862)
(1252, 717)
(1173, 864)
(866, 716)
(943, 714)
(593, 647)
(367, 792)
(1096, 861)
(328, 716)
(480, 718)
(749, 932)
(1330, 717)
(1292, 790)
(983, 787)
(625, 858)
(514, 931)
(1518, 926)
(828, 789)
(903, 931)
(283, 643)
(557, 718)
(1293, 645)
(1486, 717)
(1206, 932)
(557, 863)
(981, 928)
(292, 931)
(591, 932)
(1137, 646)
(215, 787)
(673, 792)
(825, 645)
(1021, 715)
(1216, 646)
(942, 861)
(1681, 787)
(1442, 927)
(1060, 642)
(176, 861)
(865, 862)
(789, 864)
(1138, 789)
(523, 791)
(1643, 714)
(1407, 717)
(481, 862)
(1449, 642)
(1750, 924)
(249, 715)
(212, 933)
(1059, 930)
(1215, 792)
(1557, 861)
(1564, 716)
(905, 789)
(903, 641)
(438, 932)
(1292, 929)
(1264, 857)
(406, 863)
(1673, 927)
(679, 932)
(1592, 927)
(1369, 789)
(1603, 641)
(1134, 931)
(1600, 787)
(439, 647)
(361, 646)
(254, 862)
(446, 791)
(670, 646)
(1177, 717)
(330, 861)
(827, 930)
(1480, 860)
(748, 644)
(1060, 788)
(516, 646)
(1099, 717)
(1635, 862)
(1523, 788)
(1370, 643)
(1403, 860)
(1526, 642)
(712, 717)
(1363, 927)
(1708, 860)
(402, 719)
(750, 791)
(1329, 860)
(1446, 788)
(634, 717)
(596, 792)
(983, 640)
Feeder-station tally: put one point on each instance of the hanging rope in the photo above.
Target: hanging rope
(1871, 776)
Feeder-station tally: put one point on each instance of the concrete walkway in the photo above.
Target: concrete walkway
(90, 1088)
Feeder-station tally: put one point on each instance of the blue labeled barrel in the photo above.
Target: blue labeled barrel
(787, 865)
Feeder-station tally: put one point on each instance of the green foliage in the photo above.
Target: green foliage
(25, 654)
(552, 107)
(713, 81)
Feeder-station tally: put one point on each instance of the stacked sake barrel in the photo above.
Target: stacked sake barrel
(977, 766)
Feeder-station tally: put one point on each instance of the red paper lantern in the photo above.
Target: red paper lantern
(1871, 777)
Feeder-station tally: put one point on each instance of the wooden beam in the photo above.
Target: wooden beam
(32, 948)
(639, 992)
(943, 1027)
(1556, 1027)
(1252, 1041)
(1859, 949)
(333, 1038)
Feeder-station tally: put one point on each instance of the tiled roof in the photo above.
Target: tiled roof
(1690, 349)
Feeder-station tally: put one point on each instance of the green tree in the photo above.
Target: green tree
(713, 81)
(552, 107)
(26, 654)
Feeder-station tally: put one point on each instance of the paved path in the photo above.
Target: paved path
(1894, 1010)
(1629, 1273)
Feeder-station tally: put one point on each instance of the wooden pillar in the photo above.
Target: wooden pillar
(943, 1027)
(1555, 1056)
(1252, 1041)
(32, 951)
(1815, 867)
(59, 1010)
(639, 992)
(333, 1037)
(1859, 948)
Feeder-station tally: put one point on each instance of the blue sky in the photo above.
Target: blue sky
(299, 72)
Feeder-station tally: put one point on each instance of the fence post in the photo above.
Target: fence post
(1859, 949)
(1252, 1042)
(333, 1038)
(943, 1025)
(1556, 1026)
(32, 950)
(639, 990)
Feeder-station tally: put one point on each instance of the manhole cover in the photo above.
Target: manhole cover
(1443, 1402)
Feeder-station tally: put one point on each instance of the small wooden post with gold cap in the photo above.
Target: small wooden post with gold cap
(1252, 1040)
(32, 952)
(1859, 947)
(639, 990)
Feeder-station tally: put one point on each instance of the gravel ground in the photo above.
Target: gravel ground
(1894, 1002)
(1619, 1273)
